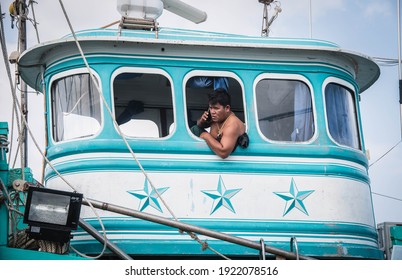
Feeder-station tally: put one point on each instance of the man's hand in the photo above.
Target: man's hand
(203, 120)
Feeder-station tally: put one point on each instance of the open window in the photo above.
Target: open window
(76, 110)
(143, 103)
(198, 87)
(341, 115)
(284, 110)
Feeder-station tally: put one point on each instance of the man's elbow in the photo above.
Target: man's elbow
(223, 155)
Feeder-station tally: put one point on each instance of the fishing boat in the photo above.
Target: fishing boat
(120, 104)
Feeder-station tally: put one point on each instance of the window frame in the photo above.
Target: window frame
(144, 70)
(211, 73)
(291, 77)
(64, 74)
(352, 90)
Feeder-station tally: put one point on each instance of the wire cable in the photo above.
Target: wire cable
(16, 101)
(113, 117)
(34, 22)
(386, 153)
(387, 196)
(12, 85)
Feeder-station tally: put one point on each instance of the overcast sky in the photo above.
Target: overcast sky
(363, 26)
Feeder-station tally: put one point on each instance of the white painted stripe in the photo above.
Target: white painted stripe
(224, 42)
(272, 61)
(267, 237)
(213, 36)
(205, 158)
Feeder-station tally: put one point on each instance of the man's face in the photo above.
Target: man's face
(218, 112)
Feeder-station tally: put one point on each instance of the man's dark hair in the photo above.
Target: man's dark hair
(219, 96)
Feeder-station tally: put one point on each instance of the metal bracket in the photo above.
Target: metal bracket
(138, 24)
(262, 251)
(293, 243)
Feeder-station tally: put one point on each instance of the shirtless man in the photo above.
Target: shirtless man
(226, 128)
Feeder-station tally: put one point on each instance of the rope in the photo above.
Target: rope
(24, 242)
(34, 22)
(399, 142)
(113, 117)
(65, 180)
(55, 170)
(387, 196)
(13, 211)
(52, 247)
(12, 86)
(24, 122)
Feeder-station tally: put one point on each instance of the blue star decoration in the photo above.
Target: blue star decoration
(148, 196)
(221, 196)
(294, 198)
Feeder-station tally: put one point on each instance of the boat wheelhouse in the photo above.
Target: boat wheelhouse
(303, 176)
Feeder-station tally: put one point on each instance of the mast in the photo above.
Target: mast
(266, 23)
(311, 20)
(19, 10)
(24, 94)
(399, 60)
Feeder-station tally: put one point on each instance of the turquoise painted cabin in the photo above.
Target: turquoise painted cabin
(304, 174)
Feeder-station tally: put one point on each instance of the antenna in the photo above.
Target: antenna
(142, 14)
(184, 10)
(265, 22)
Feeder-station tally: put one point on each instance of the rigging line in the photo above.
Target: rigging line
(63, 179)
(24, 122)
(34, 22)
(56, 171)
(112, 116)
(16, 154)
(399, 142)
(110, 112)
(387, 196)
(386, 61)
(12, 85)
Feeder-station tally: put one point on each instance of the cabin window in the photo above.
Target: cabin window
(143, 104)
(197, 90)
(76, 110)
(284, 110)
(341, 115)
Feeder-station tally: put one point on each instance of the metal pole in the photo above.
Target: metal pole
(311, 21)
(399, 61)
(191, 228)
(112, 247)
(24, 96)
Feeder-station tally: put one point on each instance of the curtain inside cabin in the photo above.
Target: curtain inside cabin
(341, 115)
(303, 117)
(218, 83)
(284, 109)
(75, 107)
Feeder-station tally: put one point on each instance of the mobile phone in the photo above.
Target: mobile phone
(209, 118)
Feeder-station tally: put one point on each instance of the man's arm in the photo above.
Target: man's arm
(227, 143)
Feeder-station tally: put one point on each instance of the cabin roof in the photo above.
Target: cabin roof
(203, 38)
(366, 71)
